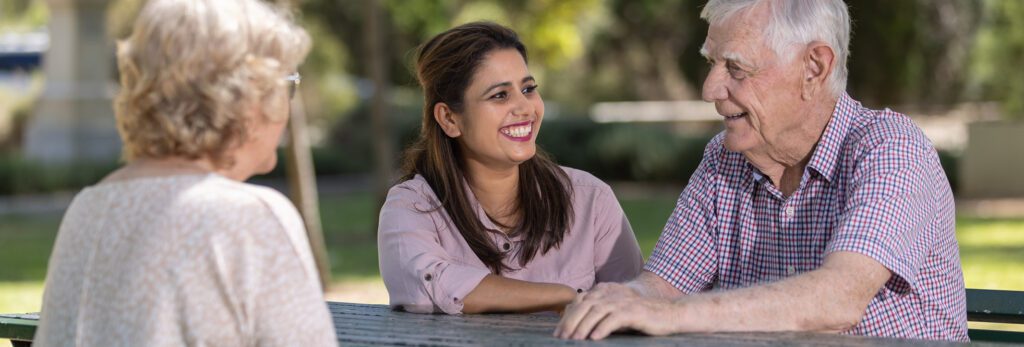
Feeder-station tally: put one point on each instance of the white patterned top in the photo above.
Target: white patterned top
(182, 260)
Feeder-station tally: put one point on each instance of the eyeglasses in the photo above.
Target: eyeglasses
(293, 83)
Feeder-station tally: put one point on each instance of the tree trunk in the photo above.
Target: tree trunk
(302, 184)
(302, 187)
(378, 62)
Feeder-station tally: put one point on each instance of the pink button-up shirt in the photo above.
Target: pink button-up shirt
(428, 267)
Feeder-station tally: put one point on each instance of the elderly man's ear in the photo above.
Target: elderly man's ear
(819, 61)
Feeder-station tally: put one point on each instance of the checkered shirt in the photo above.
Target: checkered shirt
(873, 186)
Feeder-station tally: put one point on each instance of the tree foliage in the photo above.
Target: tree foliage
(925, 53)
(997, 73)
(911, 52)
(22, 14)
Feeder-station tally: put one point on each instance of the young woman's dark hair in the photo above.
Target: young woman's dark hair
(445, 66)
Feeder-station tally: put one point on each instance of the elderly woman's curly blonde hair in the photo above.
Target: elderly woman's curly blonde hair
(193, 72)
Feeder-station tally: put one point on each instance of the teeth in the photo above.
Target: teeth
(518, 131)
(735, 115)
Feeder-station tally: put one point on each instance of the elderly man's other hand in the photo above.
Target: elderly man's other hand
(612, 307)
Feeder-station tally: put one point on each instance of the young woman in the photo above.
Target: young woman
(482, 221)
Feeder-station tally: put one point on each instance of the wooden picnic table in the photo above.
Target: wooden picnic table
(361, 324)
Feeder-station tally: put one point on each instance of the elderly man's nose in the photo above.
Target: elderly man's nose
(714, 88)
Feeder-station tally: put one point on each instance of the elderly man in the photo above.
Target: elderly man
(809, 212)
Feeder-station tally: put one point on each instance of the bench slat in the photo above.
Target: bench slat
(995, 335)
(995, 306)
(17, 329)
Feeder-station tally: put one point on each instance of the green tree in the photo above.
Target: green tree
(651, 48)
(911, 52)
(998, 54)
(22, 14)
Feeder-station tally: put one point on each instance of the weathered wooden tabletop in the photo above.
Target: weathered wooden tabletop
(360, 324)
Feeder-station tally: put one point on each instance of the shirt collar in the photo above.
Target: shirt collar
(826, 153)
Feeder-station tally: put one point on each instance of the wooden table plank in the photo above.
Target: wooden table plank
(360, 324)
(378, 325)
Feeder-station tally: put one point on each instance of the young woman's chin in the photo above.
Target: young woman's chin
(521, 156)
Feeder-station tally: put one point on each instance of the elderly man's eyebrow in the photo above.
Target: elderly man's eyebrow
(737, 58)
(704, 51)
(729, 56)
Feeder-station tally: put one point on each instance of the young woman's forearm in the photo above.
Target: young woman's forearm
(500, 294)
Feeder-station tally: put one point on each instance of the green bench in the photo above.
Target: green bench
(18, 328)
(983, 305)
(995, 306)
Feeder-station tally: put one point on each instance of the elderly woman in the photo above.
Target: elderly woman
(172, 248)
(482, 221)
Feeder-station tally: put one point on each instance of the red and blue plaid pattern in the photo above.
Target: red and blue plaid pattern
(873, 186)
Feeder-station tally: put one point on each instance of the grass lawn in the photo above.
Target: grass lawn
(992, 251)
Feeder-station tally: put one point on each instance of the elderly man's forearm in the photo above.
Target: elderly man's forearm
(799, 304)
(813, 301)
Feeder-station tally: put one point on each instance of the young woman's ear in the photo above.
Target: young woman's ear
(448, 120)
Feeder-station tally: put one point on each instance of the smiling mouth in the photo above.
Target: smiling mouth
(519, 131)
(735, 116)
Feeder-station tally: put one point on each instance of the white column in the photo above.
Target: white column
(74, 118)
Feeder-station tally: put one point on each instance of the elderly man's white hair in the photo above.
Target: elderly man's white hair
(796, 22)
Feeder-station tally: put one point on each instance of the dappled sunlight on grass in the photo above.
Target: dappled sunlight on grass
(993, 275)
(976, 232)
(992, 252)
(366, 290)
(21, 297)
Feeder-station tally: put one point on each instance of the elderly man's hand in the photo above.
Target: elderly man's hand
(612, 307)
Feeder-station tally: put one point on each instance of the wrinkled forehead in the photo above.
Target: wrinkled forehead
(737, 37)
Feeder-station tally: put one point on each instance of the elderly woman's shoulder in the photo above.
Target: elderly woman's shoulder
(217, 191)
(211, 198)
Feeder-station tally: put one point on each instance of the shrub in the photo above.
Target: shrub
(22, 176)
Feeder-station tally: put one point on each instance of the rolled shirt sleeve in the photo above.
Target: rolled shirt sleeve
(419, 274)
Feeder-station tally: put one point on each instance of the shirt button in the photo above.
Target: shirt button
(428, 277)
(506, 246)
(789, 211)
(790, 270)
